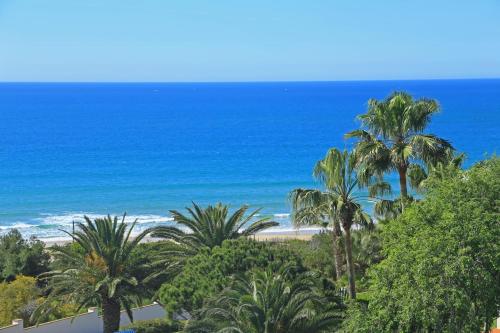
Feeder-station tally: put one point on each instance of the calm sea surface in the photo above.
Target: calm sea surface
(73, 149)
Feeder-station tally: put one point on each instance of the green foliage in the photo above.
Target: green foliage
(418, 176)
(63, 310)
(17, 299)
(442, 271)
(268, 302)
(210, 270)
(316, 254)
(154, 326)
(143, 262)
(98, 270)
(148, 259)
(21, 257)
(311, 207)
(72, 250)
(366, 249)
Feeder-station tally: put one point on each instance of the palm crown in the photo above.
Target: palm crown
(209, 227)
(393, 137)
(100, 272)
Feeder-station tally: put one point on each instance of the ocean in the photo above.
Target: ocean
(68, 149)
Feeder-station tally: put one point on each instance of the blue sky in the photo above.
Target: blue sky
(224, 40)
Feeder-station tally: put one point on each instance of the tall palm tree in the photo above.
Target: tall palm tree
(101, 272)
(210, 226)
(393, 138)
(316, 207)
(339, 174)
(267, 302)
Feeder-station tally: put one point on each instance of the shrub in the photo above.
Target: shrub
(316, 254)
(18, 299)
(209, 271)
(146, 255)
(154, 326)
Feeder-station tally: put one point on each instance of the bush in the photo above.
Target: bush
(209, 271)
(316, 254)
(145, 256)
(154, 326)
(18, 299)
(21, 257)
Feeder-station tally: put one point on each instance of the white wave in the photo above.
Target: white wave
(150, 219)
(69, 218)
(48, 226)
(19, 225)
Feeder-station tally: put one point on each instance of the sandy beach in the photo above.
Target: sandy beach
(270, 236)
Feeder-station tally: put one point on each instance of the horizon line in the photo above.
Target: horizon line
(250, 81)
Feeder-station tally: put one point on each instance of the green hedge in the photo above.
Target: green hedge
(154, 326)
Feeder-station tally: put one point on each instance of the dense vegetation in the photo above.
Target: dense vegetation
(209, 272)
(268, 301)
(21, 257)
(430, 263)
(17, 298)
(155, 326)
(442, 266)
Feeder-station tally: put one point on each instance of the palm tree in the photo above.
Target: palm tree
(393, 137)
(316, 207)
(267, 302)
(339, 174)
(101, 272)
(209, 227)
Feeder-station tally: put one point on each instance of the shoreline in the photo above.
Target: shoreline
(268, 236)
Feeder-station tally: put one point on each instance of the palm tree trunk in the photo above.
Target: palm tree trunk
(337, 249)
(350, 263)
(402, 182)
(110, 314)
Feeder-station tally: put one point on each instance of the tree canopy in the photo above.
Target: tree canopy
(19, 256)
(442, 266)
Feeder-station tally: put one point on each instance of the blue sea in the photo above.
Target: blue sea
(73, 149)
